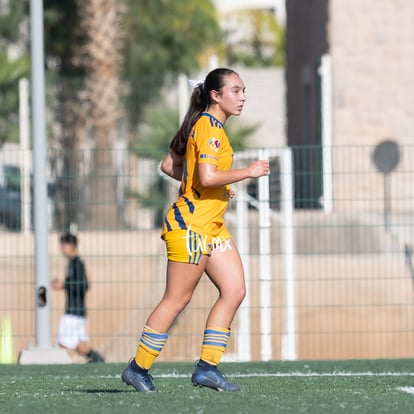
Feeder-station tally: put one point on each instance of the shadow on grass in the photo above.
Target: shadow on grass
(105, 391)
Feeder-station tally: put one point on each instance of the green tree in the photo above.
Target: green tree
(168, 36)
(11, 71)
(164, 38)
(12, 17)
(160, 38)
(100, 20)
(64, 39)
(262, 41)
(64, 42)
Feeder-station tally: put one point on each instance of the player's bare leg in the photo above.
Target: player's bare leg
(92, 355)
(182, 279)
(225, 270)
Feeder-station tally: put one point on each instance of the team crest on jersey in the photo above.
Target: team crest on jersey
(214, 144)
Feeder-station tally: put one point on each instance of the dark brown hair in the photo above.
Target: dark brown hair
(199, 102)
(69, 238)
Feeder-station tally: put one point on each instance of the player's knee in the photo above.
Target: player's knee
(235, 294)
(182, 305)
(241, 294)
(178, 305)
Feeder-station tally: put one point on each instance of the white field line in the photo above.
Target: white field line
(408, 390)
(266, 375)
(302, 374)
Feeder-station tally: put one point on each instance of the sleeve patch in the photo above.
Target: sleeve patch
(214, 144)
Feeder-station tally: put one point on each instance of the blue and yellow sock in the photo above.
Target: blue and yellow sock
(150, 346)
(214, 344)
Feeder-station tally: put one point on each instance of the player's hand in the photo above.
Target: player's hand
(57, 284)
(232, 194)
(258, 168)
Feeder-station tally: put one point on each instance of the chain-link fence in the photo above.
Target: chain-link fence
(350, 266)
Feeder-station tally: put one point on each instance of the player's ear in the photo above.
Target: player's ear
(215, 96)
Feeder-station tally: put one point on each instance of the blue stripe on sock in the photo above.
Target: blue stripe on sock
(218, 344)
(216, 338)
(154, 340)
(213, 332)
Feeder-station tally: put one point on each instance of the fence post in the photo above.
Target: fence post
(24, 120)
(288, 351)
(43, 352)
(39, 175)
(265, 274)
(325, 72)
(244, 340)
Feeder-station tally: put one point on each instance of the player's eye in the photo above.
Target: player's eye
(239, 90)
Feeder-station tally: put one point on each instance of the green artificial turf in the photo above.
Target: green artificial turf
(372, 386)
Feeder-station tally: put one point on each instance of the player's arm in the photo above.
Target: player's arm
(82, 278)
(172, 165)
(57, 284)
(211, 176)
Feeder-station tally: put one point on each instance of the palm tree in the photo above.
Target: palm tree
(260, 42)
(101, 22)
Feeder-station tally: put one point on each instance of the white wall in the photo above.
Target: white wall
(265, 90)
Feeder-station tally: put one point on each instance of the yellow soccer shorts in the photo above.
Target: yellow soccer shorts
(188, 246)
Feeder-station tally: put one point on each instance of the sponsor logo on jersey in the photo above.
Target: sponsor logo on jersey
(208, 156)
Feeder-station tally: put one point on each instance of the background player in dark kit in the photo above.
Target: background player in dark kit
(72, 331)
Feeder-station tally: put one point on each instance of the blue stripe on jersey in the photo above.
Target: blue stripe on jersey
(199, 254)
(189, 244)
(214, 122)
(185, 172)
(178, 217)
(197, 193)
(194, 245)
(169, 228)
(189, 204)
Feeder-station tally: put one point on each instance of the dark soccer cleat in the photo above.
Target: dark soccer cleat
(94, 356)
(138, 378)
(207, 375)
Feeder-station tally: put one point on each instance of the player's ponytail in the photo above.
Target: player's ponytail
(199, 102)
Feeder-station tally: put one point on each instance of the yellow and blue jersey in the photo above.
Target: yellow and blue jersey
(201, 209)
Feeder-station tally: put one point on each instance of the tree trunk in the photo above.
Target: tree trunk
(68, 181)
(101, 22)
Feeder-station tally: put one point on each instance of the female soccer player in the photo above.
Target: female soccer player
(196, 237)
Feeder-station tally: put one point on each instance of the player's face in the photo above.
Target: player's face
(232, 97)
(68, 250)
